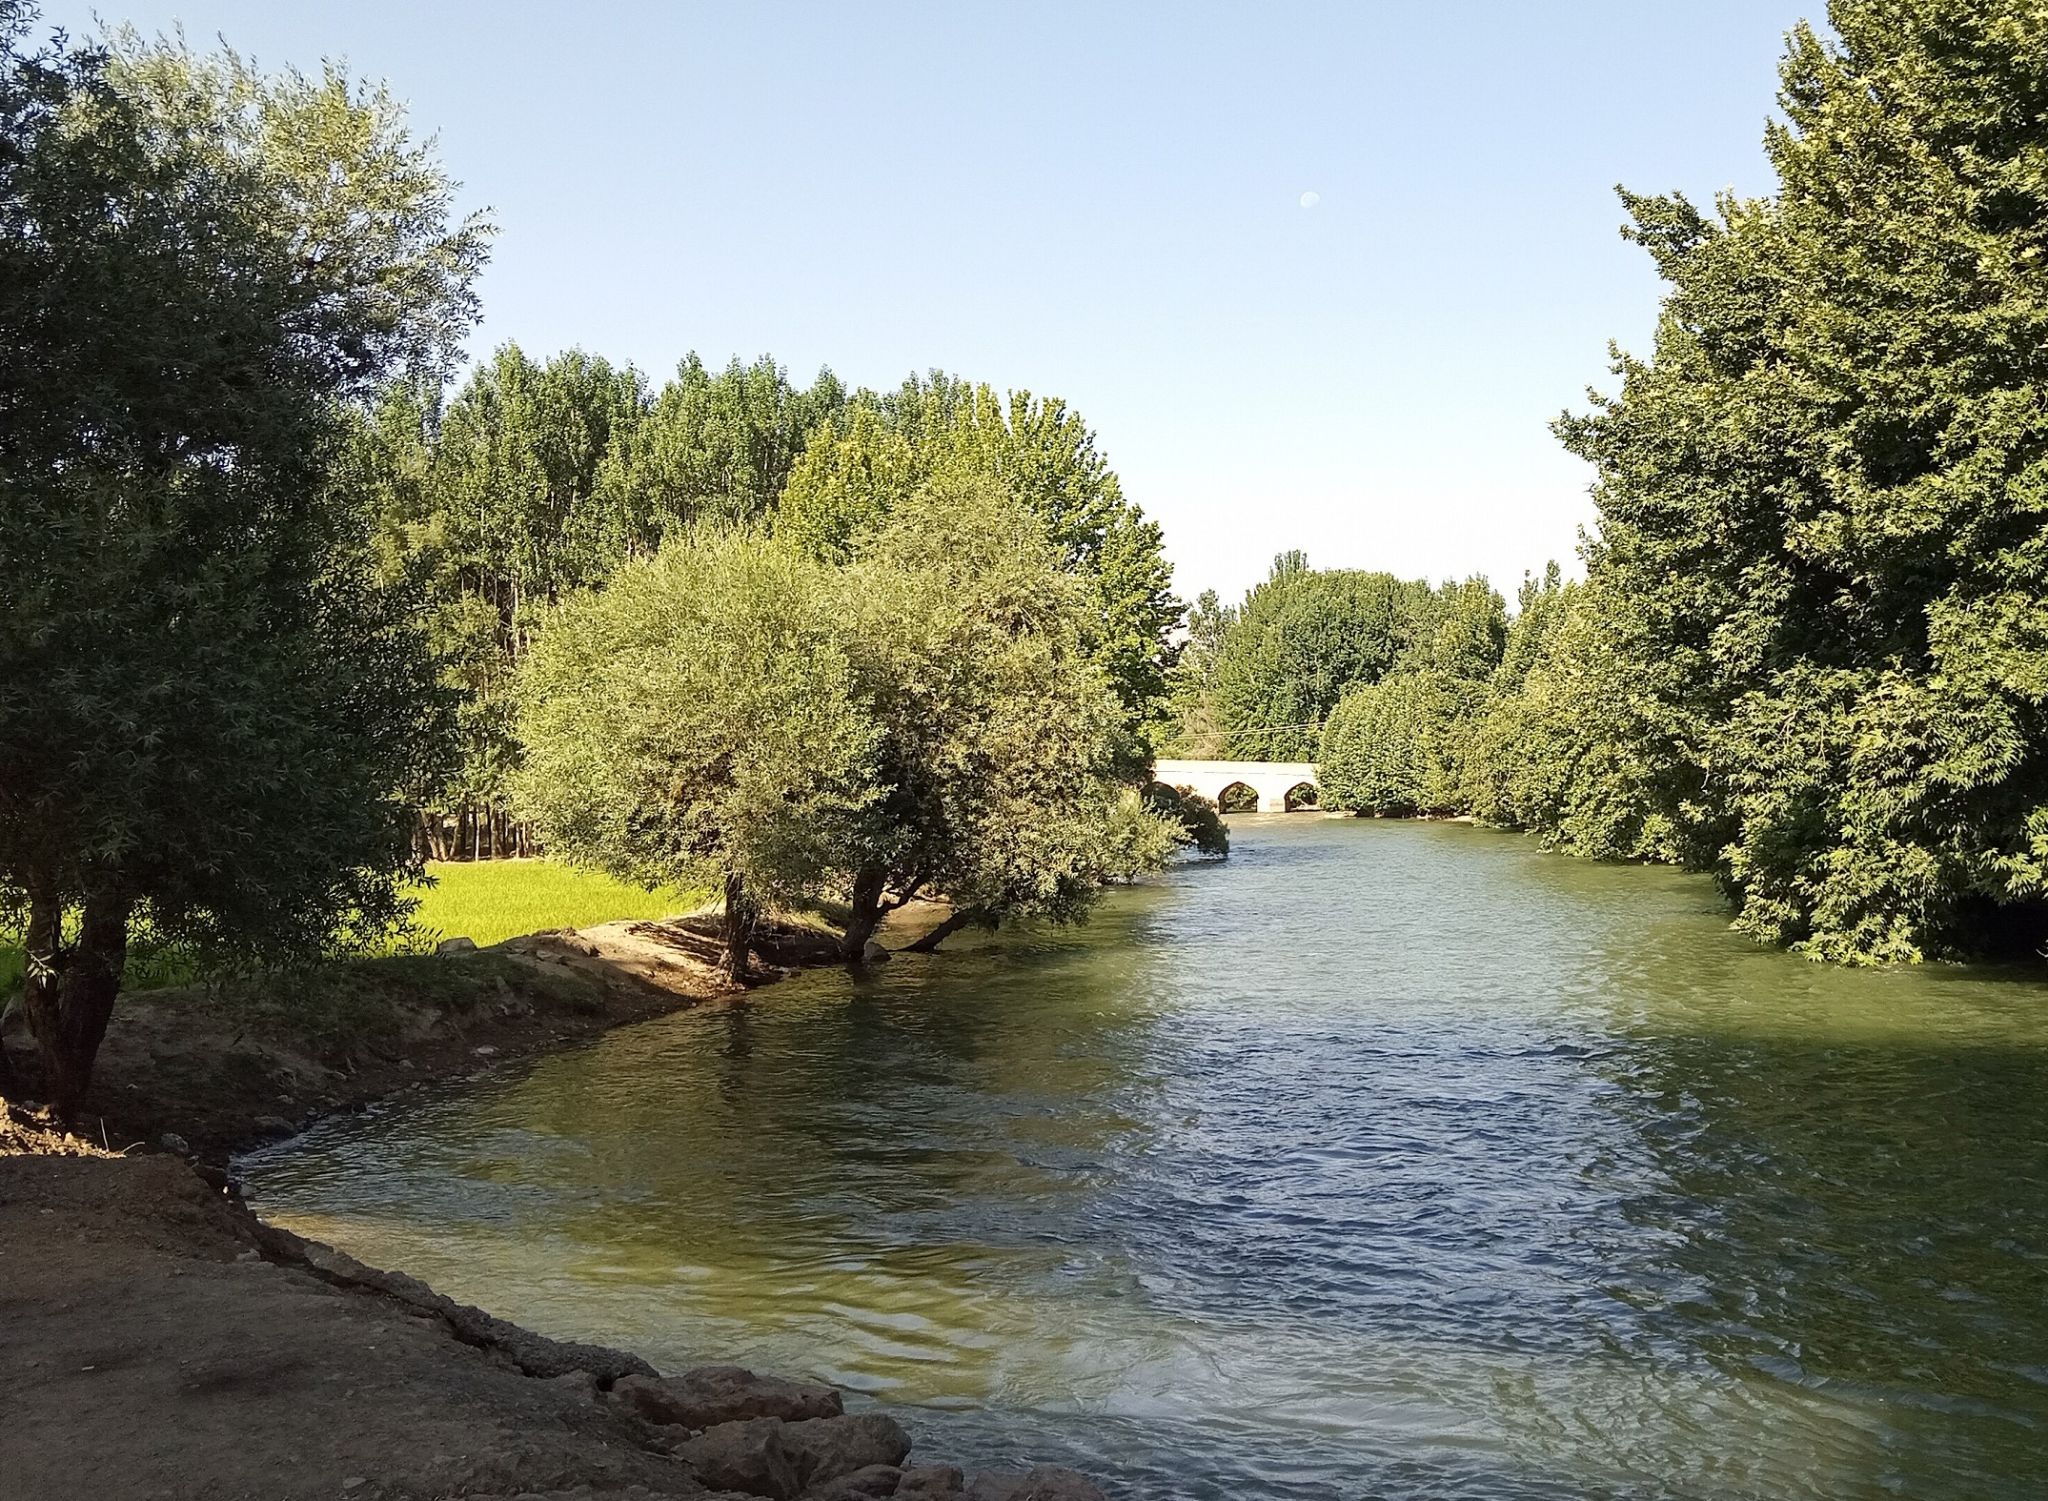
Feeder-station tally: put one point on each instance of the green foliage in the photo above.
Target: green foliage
(1198, 824)
(1559, 745)
(843, 484)
(1396, 747)
(1822, 563)
(1195, 731)
(1299, 641)
(1139, 837)
(539, 479)
(998, 730)
(1039, 451)
(695, 723)
(716, 449)
(212, 710)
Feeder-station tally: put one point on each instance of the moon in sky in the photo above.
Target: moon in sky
(1310, 200)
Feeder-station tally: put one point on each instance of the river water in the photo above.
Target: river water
(1383, 1160)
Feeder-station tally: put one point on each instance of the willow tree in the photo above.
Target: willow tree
(210, 711)
(998, 733)
(1041, 452)
(695, 723)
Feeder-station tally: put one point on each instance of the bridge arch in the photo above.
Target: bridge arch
(1275, 785)
(1237, 797)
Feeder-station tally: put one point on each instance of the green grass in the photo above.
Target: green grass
(489, 902)
(493, 900)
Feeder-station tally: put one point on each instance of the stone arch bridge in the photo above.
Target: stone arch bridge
(1274, 783)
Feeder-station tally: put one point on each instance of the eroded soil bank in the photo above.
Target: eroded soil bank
(223, 1068)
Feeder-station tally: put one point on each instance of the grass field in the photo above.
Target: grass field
(489, 901)
(493, 900)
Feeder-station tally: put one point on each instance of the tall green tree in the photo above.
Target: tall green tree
(1301, 639)
(494, 507)
(1822, 559)
(1041, 452)
(717, 448)
(1196, 731)
(1399, 745)
(998, 732)
(1561, 746)
(211, 712)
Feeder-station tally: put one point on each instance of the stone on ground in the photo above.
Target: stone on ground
(714, 1394)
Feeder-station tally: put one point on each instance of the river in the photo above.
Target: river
(1384, 1160)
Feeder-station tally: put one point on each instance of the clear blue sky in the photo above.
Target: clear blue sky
(1103, 202)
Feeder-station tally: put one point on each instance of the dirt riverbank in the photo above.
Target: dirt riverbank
(160, 1343)
(216, 1069)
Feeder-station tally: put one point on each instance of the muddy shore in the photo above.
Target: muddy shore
(158, 1341)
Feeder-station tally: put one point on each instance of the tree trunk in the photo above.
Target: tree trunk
(960, 917)
(69, 996)
(10, 1082)
(864, 915)
(741, 918)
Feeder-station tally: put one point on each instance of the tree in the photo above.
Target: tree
(717, 449)
(997, 731)
(1041, 452)
(1298, 642)
(493, 509)
(695, 722)
(843, 484)
(1822, 565)
(1195, 730)
(211, 711)
(1386, 749)
(1398, 746)
(1195, 820)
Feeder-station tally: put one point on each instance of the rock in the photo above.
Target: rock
(750, 1457)
(714, 1394)
(276, 1127)
(456, 946)
(828, 1448)
(578, 1384)
(1041, 1483)
(874, 953)
(171, 1141)
(931, 1480)
(864, 1484)
(484, 1050)
(532, 1353)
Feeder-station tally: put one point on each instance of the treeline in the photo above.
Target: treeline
(1810, 654)
(539, 479)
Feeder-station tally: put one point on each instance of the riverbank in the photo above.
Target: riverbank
(163, 1343)
(210, 1070)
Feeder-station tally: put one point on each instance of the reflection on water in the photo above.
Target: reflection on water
(1387, 1160)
